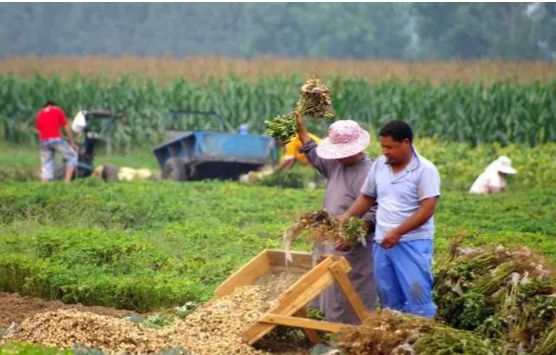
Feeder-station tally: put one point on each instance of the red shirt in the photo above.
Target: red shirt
(49, 121)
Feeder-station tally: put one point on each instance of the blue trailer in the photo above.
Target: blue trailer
(200, 154)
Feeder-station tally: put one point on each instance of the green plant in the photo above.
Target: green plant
(185, 310)
(31, 349)
(158, 321)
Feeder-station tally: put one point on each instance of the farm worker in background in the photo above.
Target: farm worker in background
(49, 121)
(292, 153)
(492, 179)
(341, 159)
(406, 187)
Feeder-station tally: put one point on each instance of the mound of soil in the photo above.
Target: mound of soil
(15, 308)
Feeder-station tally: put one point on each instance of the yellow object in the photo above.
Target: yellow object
(97, 173)
(292, 149)
(130, 174)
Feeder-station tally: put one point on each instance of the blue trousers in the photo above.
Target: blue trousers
(403, 277)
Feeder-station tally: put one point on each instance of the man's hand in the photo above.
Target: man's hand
(342, 245)
(343, 218)
(391, 238)
(74, 146)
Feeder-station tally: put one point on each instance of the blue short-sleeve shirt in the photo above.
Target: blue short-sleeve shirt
(398, 195)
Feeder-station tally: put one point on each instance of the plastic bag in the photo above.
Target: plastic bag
(79, 123)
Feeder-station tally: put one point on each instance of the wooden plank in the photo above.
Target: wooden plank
(297, 296)
(341, 264)
(246, 275)
(312, 334)
(300, 259)
(302, 323)
(351, 294)
(294, 270)
(306, 283)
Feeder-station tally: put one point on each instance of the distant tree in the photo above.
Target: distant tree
(475, 30)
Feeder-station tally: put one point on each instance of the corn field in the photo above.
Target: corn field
(201, 68)
(504, 111)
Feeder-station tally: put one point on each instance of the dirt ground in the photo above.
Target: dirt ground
(15, 308)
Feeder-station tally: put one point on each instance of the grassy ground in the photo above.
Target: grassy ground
(458, 164)
(143, 246)
(28, 349)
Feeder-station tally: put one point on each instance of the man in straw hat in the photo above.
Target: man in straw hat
(406, 187)
(492, 179)
(340, 158)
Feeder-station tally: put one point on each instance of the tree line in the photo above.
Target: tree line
(400, 31)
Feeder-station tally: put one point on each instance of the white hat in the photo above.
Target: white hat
(504, 165)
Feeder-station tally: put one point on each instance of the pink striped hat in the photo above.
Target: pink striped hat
(345, 139)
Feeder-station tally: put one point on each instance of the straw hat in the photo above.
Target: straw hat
(345, 138)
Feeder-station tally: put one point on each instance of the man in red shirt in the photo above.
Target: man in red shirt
(49, 121)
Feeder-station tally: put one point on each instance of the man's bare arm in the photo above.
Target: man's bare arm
(70, 136)
(302, 131)
(419, 217)
(361, 206)
(286, 165)
(416, 220)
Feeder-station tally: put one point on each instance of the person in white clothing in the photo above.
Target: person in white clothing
(492, 179)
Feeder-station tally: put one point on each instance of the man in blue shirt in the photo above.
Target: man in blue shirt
(406, 188)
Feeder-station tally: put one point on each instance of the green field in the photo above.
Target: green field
(143, 246)
(149, 246)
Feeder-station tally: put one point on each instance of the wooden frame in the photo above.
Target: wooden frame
(291, 302)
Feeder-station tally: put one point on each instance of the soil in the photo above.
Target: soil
(15, 308)
(275, 283)
(282, 341)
